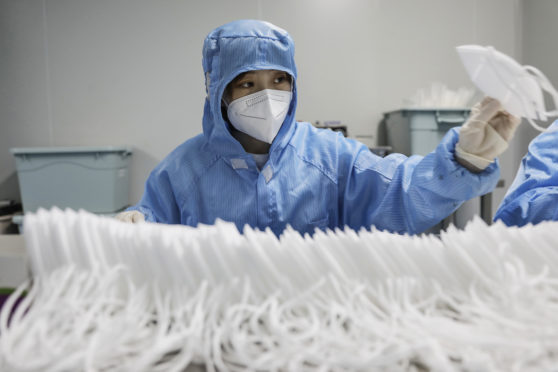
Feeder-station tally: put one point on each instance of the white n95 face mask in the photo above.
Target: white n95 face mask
(518, 88)
(260, 114)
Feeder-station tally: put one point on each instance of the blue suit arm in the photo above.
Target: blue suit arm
(158, 203)
(410, 194)
(533, 195)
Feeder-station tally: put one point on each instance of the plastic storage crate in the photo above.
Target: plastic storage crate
(419, 131)
(90, 178)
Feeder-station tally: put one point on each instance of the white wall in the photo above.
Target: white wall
(540, 49)
(104, 72)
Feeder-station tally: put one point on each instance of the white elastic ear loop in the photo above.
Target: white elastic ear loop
(546, 85)
(207, 84)
(514, 90)
(531, 121)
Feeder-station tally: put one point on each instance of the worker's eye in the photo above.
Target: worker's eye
(282, 81)
(245, 84)
(283, 78)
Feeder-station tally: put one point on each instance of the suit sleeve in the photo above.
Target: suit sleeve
(158, 202)
(533, 195)
(410, 194)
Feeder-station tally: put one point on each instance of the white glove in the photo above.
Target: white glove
(485, 135)
(130, 216)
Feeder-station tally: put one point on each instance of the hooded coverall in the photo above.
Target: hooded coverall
(313, 178)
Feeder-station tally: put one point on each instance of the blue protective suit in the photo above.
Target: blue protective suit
(314, 178)
(533, 195)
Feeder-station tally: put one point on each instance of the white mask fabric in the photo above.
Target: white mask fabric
(112, 296)
(260, 114)
(518, 88)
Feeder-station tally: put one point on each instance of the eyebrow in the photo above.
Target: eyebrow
(244, 74)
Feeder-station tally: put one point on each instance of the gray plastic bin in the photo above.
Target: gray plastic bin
(419, 131)
(91, 178)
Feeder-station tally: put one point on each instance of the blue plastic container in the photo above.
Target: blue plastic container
(90, 178)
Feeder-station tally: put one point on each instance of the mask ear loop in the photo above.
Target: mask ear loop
(207, 84)
(546, 85)
(512, 87)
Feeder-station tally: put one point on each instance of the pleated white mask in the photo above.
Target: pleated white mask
(518, 88)
(260, 114)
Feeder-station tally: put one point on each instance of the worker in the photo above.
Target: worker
(256, 165)
(533, 195)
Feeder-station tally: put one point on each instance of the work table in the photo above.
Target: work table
(13, 261)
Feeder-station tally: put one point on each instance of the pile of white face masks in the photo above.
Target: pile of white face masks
(110, 296)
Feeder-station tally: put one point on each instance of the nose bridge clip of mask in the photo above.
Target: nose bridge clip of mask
(520, 89)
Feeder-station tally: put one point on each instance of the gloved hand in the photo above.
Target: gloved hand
(485, 135)
(130, 216)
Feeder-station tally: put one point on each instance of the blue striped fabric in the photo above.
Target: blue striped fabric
(533, 195)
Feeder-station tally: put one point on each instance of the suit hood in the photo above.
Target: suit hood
(230, 50)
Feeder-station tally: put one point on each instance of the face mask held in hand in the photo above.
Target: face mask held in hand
(520, 89)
